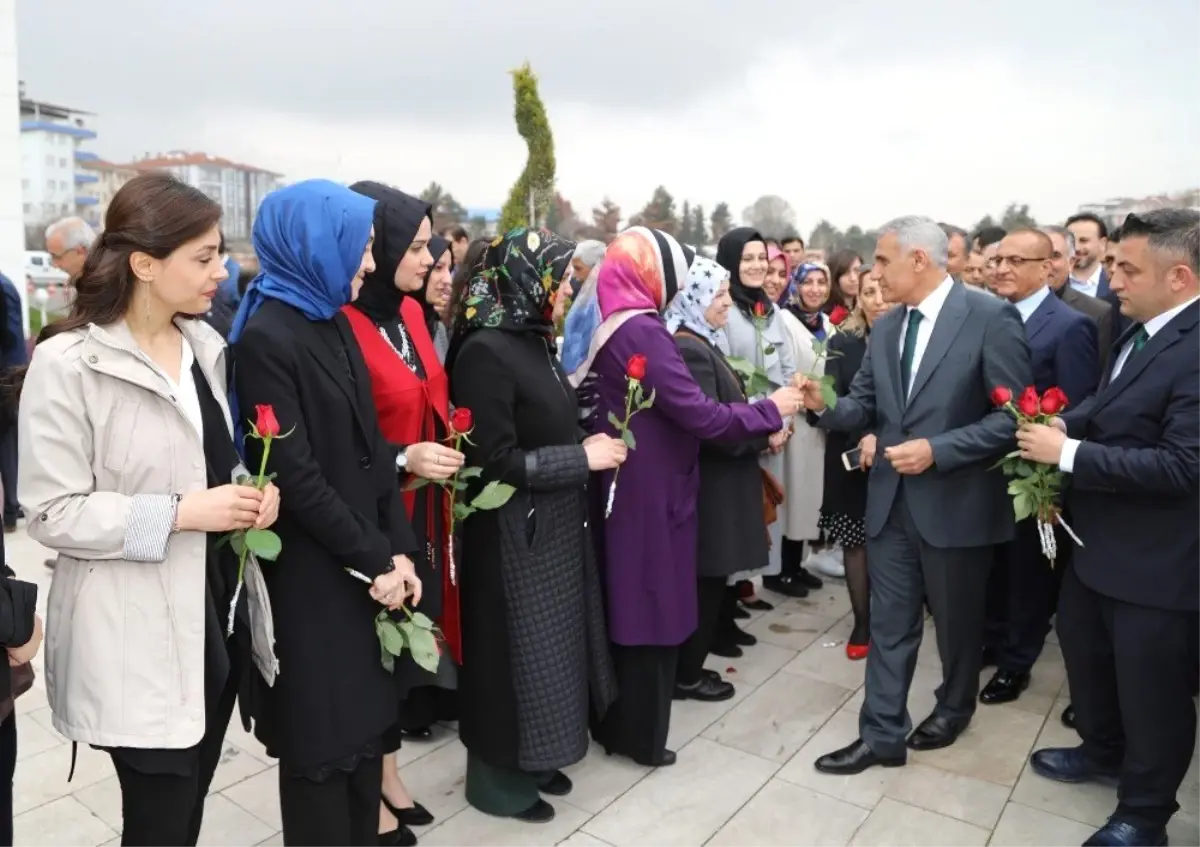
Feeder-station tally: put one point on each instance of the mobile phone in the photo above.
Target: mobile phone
(851, 458)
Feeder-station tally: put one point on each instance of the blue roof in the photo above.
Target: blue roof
(51, 126)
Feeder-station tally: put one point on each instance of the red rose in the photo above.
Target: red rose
(266, 425)
(1029, 404)
(1001, 396)
(461, 420)
(636, 368)
(760, 310)
(1054, 401)
(838, 315)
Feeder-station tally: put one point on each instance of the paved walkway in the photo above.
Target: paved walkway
(744, 775)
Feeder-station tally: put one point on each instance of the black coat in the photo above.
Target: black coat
(733, 530)
(340, 507)
(845, 491)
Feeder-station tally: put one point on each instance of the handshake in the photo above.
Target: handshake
(803, 393)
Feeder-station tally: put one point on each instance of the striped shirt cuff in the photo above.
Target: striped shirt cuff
(148, 527)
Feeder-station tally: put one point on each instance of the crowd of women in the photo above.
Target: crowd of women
(576, 610)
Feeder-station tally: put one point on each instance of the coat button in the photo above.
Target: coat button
(43, 518)
(364, 462)
(93, 359)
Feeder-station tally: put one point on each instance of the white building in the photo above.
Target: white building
(1114, 210)
(108, 181)
(239, 189)
(51, 139)
(12, 225)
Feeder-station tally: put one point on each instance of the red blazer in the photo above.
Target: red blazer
(406, 407)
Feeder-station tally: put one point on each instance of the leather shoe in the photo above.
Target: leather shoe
(856, 758)
(810, 581)
(707, 690)
(1068, 717)
(758, 604)
(1119, 833)
(539, 812)
(401, 836)
(1069, 764)
(1004, 687)
(558, 785)
(740, 637)
(726, 650)
(740, 614)
(936, 732)
(785, 585)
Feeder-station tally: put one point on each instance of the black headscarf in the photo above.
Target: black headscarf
(437, 246)
(729, 256)
(513, 286)
(397, 220)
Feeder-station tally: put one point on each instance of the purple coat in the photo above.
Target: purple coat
(649, 542)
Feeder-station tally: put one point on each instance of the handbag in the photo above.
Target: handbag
(22, 680)
(772, 499)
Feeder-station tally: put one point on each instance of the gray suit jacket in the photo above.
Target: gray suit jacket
(978, 343)
(1099, 311)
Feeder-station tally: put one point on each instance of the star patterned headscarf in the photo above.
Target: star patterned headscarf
(703, 281)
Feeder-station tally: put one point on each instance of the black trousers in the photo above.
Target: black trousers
(167, 809)
(906, 570)
(8, 474)
(1132, 670)
(636, 724)
(1022, 595)
(692, 653)
(342, 809)
(8, 765)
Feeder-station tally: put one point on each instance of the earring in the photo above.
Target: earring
(147, 281)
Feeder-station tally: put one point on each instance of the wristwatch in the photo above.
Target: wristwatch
(402, 459)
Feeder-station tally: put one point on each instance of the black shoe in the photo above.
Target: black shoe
(740, 637)
(785, 585)
(707, 690)
(414, 815)
(711, 674)
(1068, 717)
(808, 580)
(558, 785)
(401, 836)
(989, 658)
(539, 812)
(855, 759)
(1119, 834)
(726, 650)
(740, 614)
(758, 604)
(1069, 764)
(1004, 687)
(667, 759)
(418, 733)
(936, 732)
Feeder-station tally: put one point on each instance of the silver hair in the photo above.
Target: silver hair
(1068, 236)
(916, 232)
(76, 232)
(590, 252)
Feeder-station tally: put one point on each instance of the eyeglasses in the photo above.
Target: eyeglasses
(1017, 262)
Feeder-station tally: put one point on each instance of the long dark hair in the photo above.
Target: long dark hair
(462, 274)
(153, 213)
(840, 264)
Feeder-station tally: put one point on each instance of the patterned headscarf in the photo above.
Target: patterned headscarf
(512, 290)
(790, 299)
(774, 253)
(700, 288)
(641, 274)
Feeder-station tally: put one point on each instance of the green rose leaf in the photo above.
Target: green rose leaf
(462, 511)
(615, 421)
(264, 544)
(627, 437)
(469, 473)
(237, 540)
(828, 395)
(421, 620)
(649, 400)
(415, 483)
(494, 495)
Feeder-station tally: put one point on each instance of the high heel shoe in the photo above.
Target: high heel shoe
(414, 815)
(857, 652)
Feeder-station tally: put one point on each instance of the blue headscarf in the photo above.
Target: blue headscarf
(309, 238)
(580, 325)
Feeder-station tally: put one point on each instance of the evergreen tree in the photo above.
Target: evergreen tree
(607, 219)
(1017, 217)
(659, 213)
(699, 227)
(685, 224)
(722, 221)
(535, 187)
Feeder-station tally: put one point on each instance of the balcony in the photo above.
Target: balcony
(85, 178)
(52, 126)
(86, 156)
(86, 200)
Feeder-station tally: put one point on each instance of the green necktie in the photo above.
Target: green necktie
(910, 349)
(1139, 341)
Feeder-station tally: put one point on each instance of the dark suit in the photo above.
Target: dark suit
(932, 534)
(1127, 615)
(1023, 590)
(1101, 313)
(13, 353)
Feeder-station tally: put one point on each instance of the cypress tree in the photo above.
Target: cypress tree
(537, 180)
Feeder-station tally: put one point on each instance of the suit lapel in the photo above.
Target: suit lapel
(1135, 364)
(949, 323)
(1040, 318)
(889, 340)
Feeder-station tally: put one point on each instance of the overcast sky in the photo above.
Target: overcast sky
(856, 112)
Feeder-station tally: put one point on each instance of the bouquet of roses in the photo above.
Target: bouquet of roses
(1035, 488)
(635, 401)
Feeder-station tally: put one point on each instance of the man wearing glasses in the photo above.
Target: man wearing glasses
(68, 242)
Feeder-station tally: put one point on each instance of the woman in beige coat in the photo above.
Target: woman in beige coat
(127, 464)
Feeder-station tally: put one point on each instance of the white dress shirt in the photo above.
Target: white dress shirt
(1066, 461)
(1030, 304)
(1091, 285)
(929, 308)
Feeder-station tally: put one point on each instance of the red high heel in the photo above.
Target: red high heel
(857, 652)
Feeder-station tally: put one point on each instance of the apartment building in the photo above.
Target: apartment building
(52, 146)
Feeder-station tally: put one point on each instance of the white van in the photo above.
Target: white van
(40, 271)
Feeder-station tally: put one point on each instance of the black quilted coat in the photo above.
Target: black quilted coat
(535, 651)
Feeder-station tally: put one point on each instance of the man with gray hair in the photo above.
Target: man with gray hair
(68, 242)
(935, 509)
(1062, 257)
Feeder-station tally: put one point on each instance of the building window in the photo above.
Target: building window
(62, 163)
(25, 184)
(50, 184)
(62, 186)
(50, 160)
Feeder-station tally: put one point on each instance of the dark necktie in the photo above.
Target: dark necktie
(1139, 341)
(910, 349)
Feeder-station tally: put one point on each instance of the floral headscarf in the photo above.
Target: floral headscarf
(513, 289)
(703, 281)
(641, 273)
(790, 299)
